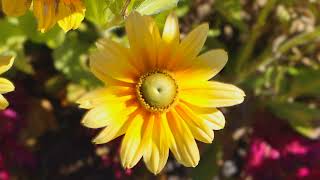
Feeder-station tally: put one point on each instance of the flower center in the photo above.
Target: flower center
(157, 91)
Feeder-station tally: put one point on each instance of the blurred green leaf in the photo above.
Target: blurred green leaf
(53, 38)
(149, 7)
(306, 82)
(72, 60)
(302, 118)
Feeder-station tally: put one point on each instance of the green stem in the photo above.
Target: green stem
(256, 32)
(267, 57)
(299, 39)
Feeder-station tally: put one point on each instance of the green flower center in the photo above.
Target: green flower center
(157, 91)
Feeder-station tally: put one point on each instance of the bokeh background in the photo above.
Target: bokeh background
(274, 55)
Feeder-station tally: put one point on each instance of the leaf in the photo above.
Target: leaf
(52, 38)
(72, 60)
(302, 118)
(98, 12)
(306, 82)
(150, 7)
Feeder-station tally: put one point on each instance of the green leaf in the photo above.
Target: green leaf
(53, 38)
(149, 7)
(306, 82)
(97, 11)
(302, 118)
(72, 60)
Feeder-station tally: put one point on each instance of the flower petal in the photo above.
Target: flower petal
(118, 122)
(157, 152)
(144, 38)
(136, 139)
(185, 149)
(15, 7)
(189, 48)
(5, 63)
(46, 12)
(200, 130)
(171, 32)
(105, 95)
(203, 68)
(112, 60)
(6, 86)
(3, 102)
(212, 94)
(71, 14)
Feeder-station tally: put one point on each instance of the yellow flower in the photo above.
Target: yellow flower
(5, 85)
(157, 93)
(68, 13)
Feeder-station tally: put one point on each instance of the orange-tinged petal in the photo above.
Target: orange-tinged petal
(113, 60)
(46, 12)
(203, 68)
(212, 94)
(186, 152)
(144, 39)
(6, 63)
(6, 86)
(15, 7)
(157, 152)
(71, 14)
(200, 130)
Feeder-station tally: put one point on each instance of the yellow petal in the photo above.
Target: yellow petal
(46, 12)
(15, 7)
(112, 60)
(135, 140)
(5, 63)
(118, 122)
(200, 130)
(186, 150)
(3, 102)
(6, 86)
(144, 39)
(189, 48)
(105, 95)
(212, 116)
(212, 94)
(157, 152)
(171, 32)
(71, 14)
(203, 68)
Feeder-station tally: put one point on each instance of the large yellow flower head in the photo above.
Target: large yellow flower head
(67, 13)
(157, 93)
(5, 85)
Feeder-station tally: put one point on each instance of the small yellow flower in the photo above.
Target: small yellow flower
(157, 93)
(5, 85)
(68, 13)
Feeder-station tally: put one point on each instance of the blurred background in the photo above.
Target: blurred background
(274, 55)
